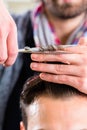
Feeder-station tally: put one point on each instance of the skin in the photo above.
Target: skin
(8, 37)
(57, 114)
(74, 72)
(59, 73)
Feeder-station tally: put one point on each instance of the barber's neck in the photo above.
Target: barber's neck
(64, 28)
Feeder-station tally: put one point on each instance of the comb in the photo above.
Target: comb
(52, 49)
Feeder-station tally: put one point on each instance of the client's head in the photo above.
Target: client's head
(51, 106)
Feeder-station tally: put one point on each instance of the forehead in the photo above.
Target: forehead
(55, 114)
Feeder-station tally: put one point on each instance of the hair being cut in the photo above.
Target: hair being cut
(35, 87)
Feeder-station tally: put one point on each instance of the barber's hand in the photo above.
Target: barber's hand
(73, 73)
(8, 37)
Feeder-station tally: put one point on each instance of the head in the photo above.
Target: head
(51, 106)
(65, 9)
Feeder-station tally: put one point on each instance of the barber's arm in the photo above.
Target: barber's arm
(8, 37)
(73, 72)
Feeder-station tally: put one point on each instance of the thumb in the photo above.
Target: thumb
(82, 41)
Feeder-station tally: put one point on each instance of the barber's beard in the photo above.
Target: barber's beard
(67, 11)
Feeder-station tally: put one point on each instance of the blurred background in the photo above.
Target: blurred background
(20, 6)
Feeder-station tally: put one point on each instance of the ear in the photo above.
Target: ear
(22, 126)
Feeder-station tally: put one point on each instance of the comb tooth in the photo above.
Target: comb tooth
(58, 47)
(54, 47)
(44, 48)
(27, 48)
(41, 49)
(50, 48)
(35, 49)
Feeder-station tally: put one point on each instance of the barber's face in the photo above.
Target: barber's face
(58, 114)
(66, 8)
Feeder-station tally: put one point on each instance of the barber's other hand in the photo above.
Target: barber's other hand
(8, 37)
(73, 72)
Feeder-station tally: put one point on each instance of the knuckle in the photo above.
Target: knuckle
(58, 68)
(13, 54)
(43, 58)
(9, 63)
(62, 79)
(6, 26)
(59, 57)
(84, 58)
(56, 57)
(3, 59)
(83, 83)
(11, 59)
(84, 71)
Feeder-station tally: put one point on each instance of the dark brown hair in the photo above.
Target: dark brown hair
(35, 87)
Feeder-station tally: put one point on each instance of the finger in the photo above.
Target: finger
(49, 58)
(78, 49)
(82, 41)
(12, 47)
(3, 50)
(60, 69)
(74, 59)
(77, 82)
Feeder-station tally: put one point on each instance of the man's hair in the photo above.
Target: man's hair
(34, 88)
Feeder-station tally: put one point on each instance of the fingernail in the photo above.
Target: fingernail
(33, 65)
(34, 56)
(42, 76)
